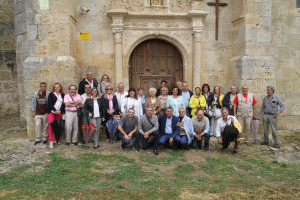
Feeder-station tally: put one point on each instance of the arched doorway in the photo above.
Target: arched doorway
(152, 61)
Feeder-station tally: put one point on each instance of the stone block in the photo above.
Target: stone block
(251, 34)
(252, 48)
(5, 76)
(10, 87)
(283, 8)
(264, 34)
(8, 108)
(297, 21)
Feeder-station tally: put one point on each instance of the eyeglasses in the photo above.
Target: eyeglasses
(87, 87)
(109, 89)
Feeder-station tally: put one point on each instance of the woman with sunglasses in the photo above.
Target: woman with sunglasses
(109, 106)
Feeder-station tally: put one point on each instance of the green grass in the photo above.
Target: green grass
(99, 176)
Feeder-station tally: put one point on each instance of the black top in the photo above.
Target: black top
(51, 102)
(83, 83)
(211, 99)
(105, 106)
(89, 106)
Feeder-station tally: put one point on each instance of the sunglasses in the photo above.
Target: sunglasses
(109, 89)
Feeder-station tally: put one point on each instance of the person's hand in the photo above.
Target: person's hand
(214, 103)
(127, 137)
(57, 112)
(33, 115)
(103, 119)
(171, 140)
(154, 112)
(231, 107)
(220, 140)
(110, 112)
(130, 135)
(209, 108)
(178, 124)
(198, 106)
(90, 115)
(254, 116)
(199, 137)
(146, 134)
(275, 116)
(235, 115)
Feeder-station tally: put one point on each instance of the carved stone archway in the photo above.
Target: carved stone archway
(179, 23)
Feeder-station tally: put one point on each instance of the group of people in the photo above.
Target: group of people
(179, 118)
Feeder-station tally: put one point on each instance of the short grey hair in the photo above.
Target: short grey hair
(182, 108)
(271, 87)
(152, 89)
(121, 83)
(88, 73)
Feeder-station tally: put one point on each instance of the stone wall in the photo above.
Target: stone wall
(216, 54)
(8, 71)
(97, 53)
(45, 49)
(270, 43)
(285, 49)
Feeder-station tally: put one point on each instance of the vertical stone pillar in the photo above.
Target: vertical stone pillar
(118, 57)
(197, 25)
(197, 59)
(117, 25)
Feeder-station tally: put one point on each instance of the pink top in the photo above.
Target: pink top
(67, 99)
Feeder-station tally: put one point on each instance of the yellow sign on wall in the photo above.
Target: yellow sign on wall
(44, 4)
(85, 36)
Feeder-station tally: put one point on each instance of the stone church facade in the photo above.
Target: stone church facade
(141, 42)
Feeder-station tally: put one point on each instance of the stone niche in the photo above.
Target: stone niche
(177, 22)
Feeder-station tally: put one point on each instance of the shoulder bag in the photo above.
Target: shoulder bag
(79, 112)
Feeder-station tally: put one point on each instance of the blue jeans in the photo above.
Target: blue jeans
(198, 143)
(183, 140)
(164, 139)
(136, 143)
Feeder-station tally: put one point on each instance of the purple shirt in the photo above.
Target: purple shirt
(68, 99)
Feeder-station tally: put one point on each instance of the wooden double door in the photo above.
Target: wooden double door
(153, 61)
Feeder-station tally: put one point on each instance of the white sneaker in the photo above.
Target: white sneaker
(51, 145)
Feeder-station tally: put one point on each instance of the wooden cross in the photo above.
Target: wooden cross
(217, 4)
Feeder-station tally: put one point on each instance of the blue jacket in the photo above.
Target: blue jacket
(162, 125)
(226, 100)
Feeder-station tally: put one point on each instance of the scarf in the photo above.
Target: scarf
(188, 127)
(110, 98)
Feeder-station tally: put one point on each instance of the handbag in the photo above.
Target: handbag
(217, 113)
(79, 111)
(208, 113)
